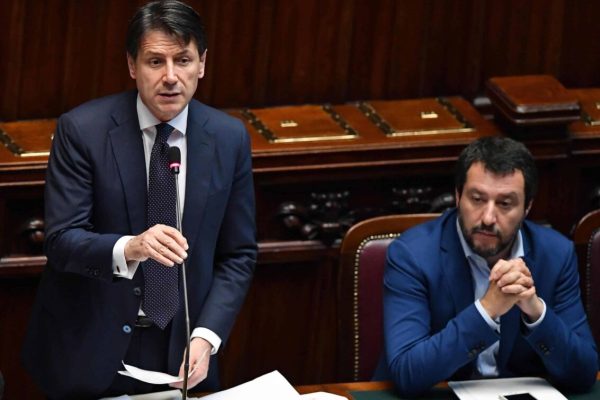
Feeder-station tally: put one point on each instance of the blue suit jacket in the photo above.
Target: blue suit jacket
(433, 331)
(95, 193)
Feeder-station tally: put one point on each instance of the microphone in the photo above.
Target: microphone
(174, 156)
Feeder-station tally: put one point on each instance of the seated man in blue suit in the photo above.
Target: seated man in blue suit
(481, 291)
(112, 288)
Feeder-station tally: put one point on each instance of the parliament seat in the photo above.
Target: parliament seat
(586, 236)
(362, 261)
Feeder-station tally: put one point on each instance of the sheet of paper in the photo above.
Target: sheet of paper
(271, 386)
(168, 395)
(490, 389)
(321, 396)
(156, 378)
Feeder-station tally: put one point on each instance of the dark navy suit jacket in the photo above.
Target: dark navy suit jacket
(95, 193)
(433, 331)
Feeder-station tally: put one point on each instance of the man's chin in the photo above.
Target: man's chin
(486, 252)
(167, 112)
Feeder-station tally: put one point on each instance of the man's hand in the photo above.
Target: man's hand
(162, 243)
(199, 358)
(510, 281)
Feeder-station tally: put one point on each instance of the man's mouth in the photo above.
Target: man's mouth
(485, 233)
(169, 95)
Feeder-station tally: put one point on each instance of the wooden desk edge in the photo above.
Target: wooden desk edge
(344, 389)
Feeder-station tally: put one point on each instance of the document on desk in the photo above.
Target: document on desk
(491, 389)
(154, 377)
(271, 386)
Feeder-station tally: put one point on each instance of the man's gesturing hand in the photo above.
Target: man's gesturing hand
(162, 243)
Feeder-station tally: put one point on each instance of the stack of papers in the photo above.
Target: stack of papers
(271, 386)
(491, 389)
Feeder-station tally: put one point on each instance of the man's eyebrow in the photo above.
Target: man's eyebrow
(153, 53)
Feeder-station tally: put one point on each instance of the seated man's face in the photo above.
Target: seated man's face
(491, 209)
(166, 72)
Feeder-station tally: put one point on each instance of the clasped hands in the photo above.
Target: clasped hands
(162, 243)
(511, 283)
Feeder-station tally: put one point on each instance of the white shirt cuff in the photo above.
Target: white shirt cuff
(120, 266)
(532, 325)
(209, 336)
(492, 324)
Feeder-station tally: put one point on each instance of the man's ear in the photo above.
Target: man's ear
(131, 66)
(456, 196)
(528, 207)
(202, 65)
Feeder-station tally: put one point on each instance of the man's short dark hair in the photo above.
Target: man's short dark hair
(172, 17)
(501, 156)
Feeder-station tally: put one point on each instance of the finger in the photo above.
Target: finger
(521, 266)
(527, 293)
(172, 233)
(172, 244)
(197, 377)
(165, 251)
(163, 255)
(499, 269)
(510, 277)
(175, 235)
(525, 281)
(514, 289)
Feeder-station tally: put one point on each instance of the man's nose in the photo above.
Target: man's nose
(170, 77)
(489, 214)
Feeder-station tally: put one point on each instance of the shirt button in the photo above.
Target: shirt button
(126, 328)
(137, 291)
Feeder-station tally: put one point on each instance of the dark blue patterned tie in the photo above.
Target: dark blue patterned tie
(161, 283)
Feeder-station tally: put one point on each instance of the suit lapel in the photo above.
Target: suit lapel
(457, 274)
(200, 154)
(128, 149)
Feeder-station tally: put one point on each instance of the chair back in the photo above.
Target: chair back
(362, 260)
(586, 237)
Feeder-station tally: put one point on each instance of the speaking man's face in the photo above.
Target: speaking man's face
(491, 209)
(166, 73)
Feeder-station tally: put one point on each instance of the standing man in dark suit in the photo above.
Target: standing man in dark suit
(111, 291)
(481, 291)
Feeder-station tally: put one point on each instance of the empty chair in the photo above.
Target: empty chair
(587, 242)
(362, 261)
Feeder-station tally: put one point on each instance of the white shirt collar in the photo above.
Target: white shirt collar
(148, 120)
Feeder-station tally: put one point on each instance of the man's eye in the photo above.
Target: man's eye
(184, 61)
(155, 62)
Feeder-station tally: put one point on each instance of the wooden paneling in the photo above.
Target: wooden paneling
(59, 53)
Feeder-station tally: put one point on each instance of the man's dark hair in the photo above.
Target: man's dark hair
(172, 17)
(501, 156)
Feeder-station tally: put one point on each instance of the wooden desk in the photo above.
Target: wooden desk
(344, 389)
(441, 391)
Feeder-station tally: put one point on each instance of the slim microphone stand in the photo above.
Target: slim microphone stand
(186, 364)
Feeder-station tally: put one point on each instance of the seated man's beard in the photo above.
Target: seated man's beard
(486, 252)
